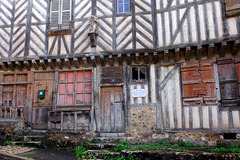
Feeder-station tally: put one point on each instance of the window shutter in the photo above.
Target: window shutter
(65, 14)
(191, 83)
(54, 15)
(228, 82)
(208, 82)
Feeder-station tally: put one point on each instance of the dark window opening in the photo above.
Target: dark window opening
(231, 136)
(138, 74)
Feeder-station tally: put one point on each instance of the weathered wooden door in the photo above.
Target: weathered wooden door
(112, 110)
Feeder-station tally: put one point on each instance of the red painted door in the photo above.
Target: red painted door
(112, 110)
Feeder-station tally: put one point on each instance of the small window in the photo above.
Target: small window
(138, 74)
(123, 6)
(60, 14)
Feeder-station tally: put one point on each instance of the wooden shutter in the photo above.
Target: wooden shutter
(228, 82)
(65, 14)
(55, 14)
(191, 83)
(208, 82)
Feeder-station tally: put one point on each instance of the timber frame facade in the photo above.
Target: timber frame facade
(164, 66)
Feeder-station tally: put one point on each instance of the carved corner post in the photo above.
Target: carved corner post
(92, 31)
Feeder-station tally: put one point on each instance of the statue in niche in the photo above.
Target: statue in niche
(93, 24)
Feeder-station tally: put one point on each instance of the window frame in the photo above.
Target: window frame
(75, 81)
(60, 12)
(124, 12)
(139, 69)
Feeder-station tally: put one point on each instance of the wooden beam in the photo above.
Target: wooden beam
(146, 58)
(235, 48)
(111, 60)
(165, 56)
(93, 60)
(137, 58)
(187, 54)
(76, 62)
(102, 60)
(155, 57)
(84, 59)
(4, 66)
(35, 64)
(199, 52)
(27, 65)
(222, 49)
(120, 60)
(43, 64)
(129, 60)
(59, 63)
(210, 50)
(19, 65)
(11, 65)
(67, 63)
(51, 64)
(176, 55)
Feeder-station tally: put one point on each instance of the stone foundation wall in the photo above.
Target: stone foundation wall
(143, 123)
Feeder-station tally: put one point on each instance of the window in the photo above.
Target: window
(75, 88)
(123, 6)
(229, 79)
(60, 14)
(138, 74)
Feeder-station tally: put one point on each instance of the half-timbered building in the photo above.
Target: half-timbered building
(136, 68)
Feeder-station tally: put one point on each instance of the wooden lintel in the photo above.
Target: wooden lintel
(129, 59)
(76, 62)
(67, 63)
(4, 66)
(84, 59)
(165, 56)
(199, 52)
(59, 63)
(27, 65)
(235, 48)
(210, 50)
(137, 58)
(102, 60)
(93, 60)
(146, 58)
(155, 57)
(51, 64)
(35, 64)
(43, 64)
(19, 65)
(176, 55)
(111, 60)
(187, 54)
(11, 65)
(222, 49)
(120, 60)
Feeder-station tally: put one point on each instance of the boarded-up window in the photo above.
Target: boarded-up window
(198, 83)
(229, 82)
(75, 88)
(112, 75)
(60, 14)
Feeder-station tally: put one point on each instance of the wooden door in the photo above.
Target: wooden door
(112, 110)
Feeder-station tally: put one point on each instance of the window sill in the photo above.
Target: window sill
(73, 108)
(59, 32)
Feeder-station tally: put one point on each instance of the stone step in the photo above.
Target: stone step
(112, 134)
(27, 142)
(113, 139)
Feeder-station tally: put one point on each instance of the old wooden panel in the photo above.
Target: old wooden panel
(21, 97)
(112, 119)
(40, 117)
(112, 75)
(228, 81)
(232, 3)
